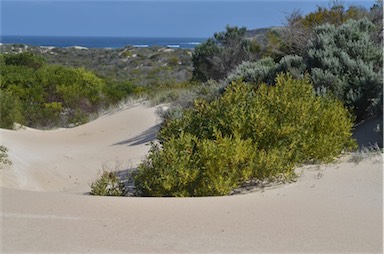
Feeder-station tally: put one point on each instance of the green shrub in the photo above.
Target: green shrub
(345, 61)
(78, 88)
(10, 110)
(26, 59)
(266, 114)
(173, 61)
(4, 156)
(248, 133)
(108, 184)
(222, 164)
(168, 171)
(41, 95)
(188, 166)
(77, 117)
(292, 64)
(17, 75)
(265, 70)
(115, 91)
(126, 53)
(217, 56)
(255, 72)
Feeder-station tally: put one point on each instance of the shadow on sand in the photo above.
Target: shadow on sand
(145, 137)
(368, 133)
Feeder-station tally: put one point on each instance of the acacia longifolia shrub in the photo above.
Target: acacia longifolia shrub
(248, 133)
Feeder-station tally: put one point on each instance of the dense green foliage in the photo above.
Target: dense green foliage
(42, 95)
(116, 91)
(10, 110)
(26, 59)
(214, 58)
(247, 133)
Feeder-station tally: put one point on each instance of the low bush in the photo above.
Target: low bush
(248, 133)
(167, 170)
(10, 110)
(115, 91)
(188, 166)
(4, 156)
(254, 72)
(108, 184)
(346, 61)
(26, 59)
(265, 69)
(173, 61)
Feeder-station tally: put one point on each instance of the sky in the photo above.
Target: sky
(146, 18)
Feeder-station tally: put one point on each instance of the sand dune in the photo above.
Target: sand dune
(331, 208)
(68, 159)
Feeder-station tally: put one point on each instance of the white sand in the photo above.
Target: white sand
(332, 209)
(69, 159)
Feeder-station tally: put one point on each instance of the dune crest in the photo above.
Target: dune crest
(68, 159)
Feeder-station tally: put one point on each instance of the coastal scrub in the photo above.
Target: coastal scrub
(248, 133)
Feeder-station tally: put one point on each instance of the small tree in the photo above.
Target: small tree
(214, 58)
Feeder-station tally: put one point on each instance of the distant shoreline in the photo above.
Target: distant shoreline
(101, 42)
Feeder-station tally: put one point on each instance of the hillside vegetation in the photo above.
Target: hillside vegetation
(140, 66)
(43, 95)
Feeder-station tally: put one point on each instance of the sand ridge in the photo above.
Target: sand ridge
(68, 159)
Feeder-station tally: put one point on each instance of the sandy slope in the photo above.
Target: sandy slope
(68, 159)
(332, 208)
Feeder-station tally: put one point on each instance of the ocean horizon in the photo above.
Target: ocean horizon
(101, 42)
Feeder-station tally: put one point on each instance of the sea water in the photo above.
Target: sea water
(101, 42)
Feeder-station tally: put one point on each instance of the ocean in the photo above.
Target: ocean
(101, 42)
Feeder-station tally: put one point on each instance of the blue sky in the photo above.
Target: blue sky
(175, 18)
